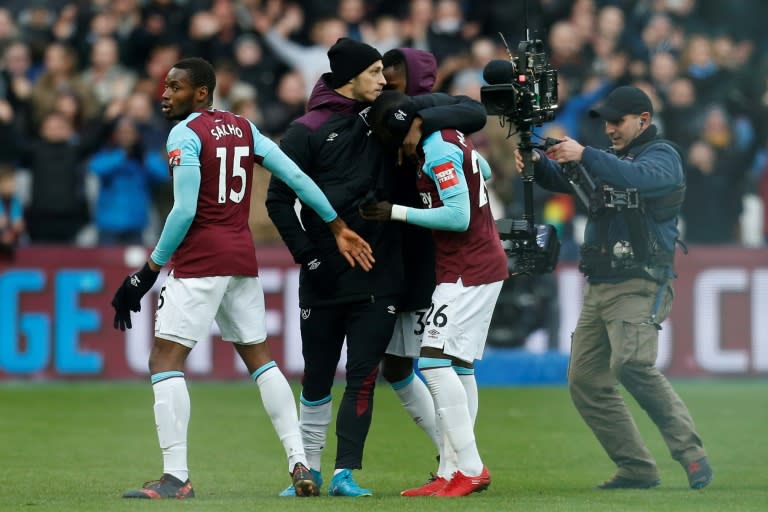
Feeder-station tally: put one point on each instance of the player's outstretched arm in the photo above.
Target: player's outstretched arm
(351, 245)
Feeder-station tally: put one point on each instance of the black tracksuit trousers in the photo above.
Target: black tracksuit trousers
(367, 328)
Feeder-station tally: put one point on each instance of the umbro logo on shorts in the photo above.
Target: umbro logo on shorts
(305, 313)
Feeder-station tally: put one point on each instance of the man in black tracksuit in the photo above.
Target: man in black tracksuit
(332, 143)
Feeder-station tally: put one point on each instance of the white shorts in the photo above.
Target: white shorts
(187, 307)
(459, 318)
(406, 337)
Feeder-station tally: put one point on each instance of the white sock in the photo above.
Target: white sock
(449, 461)
(453, 417)
(415, 397)
(172, 410)
(277, 397)
(315, 417)
(467, 378)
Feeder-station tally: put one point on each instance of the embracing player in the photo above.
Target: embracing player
(470, 266)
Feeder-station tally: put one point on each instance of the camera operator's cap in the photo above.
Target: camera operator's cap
(622, 101)
(348, 59)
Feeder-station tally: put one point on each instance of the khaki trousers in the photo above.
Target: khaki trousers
(616, 341)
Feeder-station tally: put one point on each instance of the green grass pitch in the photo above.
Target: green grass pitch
(78, 446)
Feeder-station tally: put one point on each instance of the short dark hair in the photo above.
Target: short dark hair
(201, 73)
(392, 58)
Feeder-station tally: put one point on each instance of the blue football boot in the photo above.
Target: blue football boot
(342, 484)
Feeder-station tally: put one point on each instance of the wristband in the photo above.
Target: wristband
(399, 212)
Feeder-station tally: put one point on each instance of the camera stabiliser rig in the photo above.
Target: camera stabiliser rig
(523, 93)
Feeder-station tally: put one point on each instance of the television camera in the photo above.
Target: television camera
(523, 92)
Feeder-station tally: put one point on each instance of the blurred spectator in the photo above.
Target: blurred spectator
(59, 74)
(8, 133)
(443, 36)
(715, 176)
(126, 172)
(64, 27)
(9, 32)
(257, 67)
(610, 24)
(229, 87)
(161, 59)
(680, 114)
(212, 33)
(153, 129)
(58, 209)
(35, 21)
(352, 13)
(165, 20)
(11, 213)
(106, 77)
(711, 83)
(416, 24)
(567, 53)
(310, 61)
(660, 34)
(482, 51)
(387, 33)
(663, 71)
(289, 104)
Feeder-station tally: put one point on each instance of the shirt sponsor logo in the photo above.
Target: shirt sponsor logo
(174, 157)
(446, 175)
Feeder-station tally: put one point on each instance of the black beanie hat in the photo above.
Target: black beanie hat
(348, 59)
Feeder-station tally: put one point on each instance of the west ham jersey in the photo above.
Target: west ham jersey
(225, 147)
(475, 255)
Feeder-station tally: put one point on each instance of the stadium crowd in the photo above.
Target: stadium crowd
(80, 82)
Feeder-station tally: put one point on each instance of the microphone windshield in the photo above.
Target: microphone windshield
(498, 72)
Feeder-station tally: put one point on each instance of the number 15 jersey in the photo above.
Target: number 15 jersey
(225, 147)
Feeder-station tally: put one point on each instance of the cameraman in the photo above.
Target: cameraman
(627, 257)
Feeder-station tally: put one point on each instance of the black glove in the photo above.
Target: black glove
(321, 271)
(128, 297)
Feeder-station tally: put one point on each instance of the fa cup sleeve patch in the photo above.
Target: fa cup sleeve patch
(174, 157)
(446, 176)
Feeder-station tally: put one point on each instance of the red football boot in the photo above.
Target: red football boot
(434, 484)
(463, 485)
